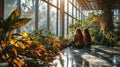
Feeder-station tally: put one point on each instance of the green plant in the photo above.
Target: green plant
(40, 44)
(85, 24)
(76, 24)
(110, 38)
(8, 25)
(8, 42)
(39, 36)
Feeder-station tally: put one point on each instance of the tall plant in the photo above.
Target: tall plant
(8, 25)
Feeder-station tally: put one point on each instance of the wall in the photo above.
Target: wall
(1, 8)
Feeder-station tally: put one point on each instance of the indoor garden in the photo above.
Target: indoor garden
(59, 33)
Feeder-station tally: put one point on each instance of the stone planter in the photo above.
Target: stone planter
(4, 64)
(35, 63)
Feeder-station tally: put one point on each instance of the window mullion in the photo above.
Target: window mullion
(72, 10)
(62, 16)
(67, 16)
(57, 19)
(36, 14)
(48, 15)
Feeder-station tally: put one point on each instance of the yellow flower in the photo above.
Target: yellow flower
(20, 44)
(95, 19)
(25, 34)
(46, 58)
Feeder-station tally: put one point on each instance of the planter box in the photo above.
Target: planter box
(35, 63)
(4, 64)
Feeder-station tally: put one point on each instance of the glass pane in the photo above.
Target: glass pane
(70, 0)
(78, 5)
(75, 3)
(58, 3)
(69, 22)
(65, 25)
(78, 14)
(42, 15)
(53, 15)
(74, 13)
(9, 6)
(65, 5)
(74, 20)
(54, 2)
(28, 10)
(70, 9)
(59, 24)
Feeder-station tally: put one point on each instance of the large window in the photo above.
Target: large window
(70, 9)
(42, 15)
(73, 12)
(116, 15)
(28, 10)
(54, 2)
(9, 6)
(54, 15)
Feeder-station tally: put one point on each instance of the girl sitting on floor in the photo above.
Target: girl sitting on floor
(78, 41)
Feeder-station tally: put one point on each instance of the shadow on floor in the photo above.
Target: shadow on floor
(97, 56)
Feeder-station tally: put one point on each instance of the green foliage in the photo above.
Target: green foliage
(93, 27)
(20, 22)
(12, 22)
(117, 27)
(75, 25)
(8, 42)
(40, 35)
(40, 44)
(109, 39)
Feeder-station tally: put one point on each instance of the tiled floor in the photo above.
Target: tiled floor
(97, 56)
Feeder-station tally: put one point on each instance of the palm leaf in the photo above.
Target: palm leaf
(19, 44)
(13, 16)
(20, 22)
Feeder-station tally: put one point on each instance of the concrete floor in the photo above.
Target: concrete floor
(97, 56)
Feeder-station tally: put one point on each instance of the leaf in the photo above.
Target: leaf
(19, 63)
(20, 22)
(14, 51)
(13, 16)
(19, 44)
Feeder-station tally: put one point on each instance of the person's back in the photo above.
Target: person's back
(87, 38)
(78, 38)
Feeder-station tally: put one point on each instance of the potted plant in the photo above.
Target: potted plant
(8, 53)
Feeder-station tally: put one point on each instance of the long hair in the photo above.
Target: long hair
(78, 37)
(87, 37)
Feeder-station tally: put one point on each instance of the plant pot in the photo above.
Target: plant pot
(35, 63)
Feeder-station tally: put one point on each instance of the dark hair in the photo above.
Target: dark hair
(87, 37)
(78, 38)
